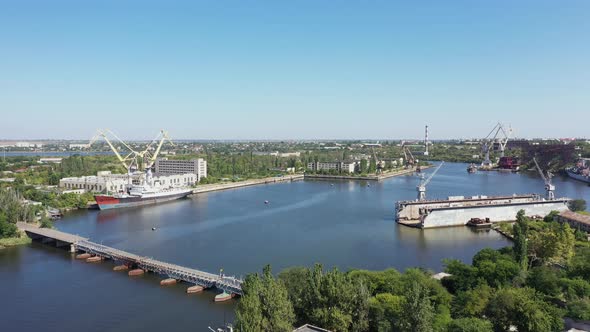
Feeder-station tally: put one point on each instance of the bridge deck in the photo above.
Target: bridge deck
(49, 233)
(226, 283)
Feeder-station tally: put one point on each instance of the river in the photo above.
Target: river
(343, 224)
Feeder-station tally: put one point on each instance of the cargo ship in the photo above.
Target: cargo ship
(581, 171)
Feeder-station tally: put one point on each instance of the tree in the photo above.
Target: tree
(417, 310)
(521, 307)
(463, 276)
(520, 230)
(384, 311)
(577, 205)
(472, 303)
(470, 325)
(544, 280)
(7, 229)
(552, 245)
(265, 304)
(46, 222)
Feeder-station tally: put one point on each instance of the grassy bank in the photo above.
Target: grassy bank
(14, 241)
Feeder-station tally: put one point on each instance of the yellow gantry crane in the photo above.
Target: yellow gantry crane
(134, 160)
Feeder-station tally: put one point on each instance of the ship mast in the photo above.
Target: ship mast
(423, 183)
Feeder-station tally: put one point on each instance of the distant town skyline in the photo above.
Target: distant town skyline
(266, 70)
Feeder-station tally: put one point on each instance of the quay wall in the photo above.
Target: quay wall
(231, 185)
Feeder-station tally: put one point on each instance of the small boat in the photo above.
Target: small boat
(479, 223)
(223, 297)
(266, 202)
(153, 228)
(472, 169)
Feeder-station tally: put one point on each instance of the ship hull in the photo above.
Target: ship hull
(112, 202)
(578, 177)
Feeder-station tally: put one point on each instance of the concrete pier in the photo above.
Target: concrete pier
(136, 272)
(167, 282)
(93, 259)
(194, 289)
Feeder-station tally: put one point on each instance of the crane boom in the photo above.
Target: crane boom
(423, 183)
(102, 134)
(153, 158)
(549, 187)
(433, 173)
(540, 170)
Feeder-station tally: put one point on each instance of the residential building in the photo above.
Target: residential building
(339, 166)
(79, 146)
(50, 160)
(168, 166)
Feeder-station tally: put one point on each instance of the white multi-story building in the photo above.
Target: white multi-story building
(79, 146)
(196, 166)
(339, 166)
(105, 182)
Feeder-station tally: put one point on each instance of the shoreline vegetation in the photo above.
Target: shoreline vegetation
(533, 286)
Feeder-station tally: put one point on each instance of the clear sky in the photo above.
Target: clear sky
(293, 69)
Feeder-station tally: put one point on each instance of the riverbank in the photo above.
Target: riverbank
(15, 241)
(232, 185)
(366, 178)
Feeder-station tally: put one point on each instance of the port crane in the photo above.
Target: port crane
(549, 186)
(378, 166)
(424, 182)
(129, 160)
(134, 161)
(409, 159)
(501, 137)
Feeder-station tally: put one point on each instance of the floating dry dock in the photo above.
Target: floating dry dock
(458, 210)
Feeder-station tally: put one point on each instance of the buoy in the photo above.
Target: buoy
(93, 259)
(83, 256)
(120, 268)
(194, 289)
(136, 272)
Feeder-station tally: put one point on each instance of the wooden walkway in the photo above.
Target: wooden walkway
(229, 284)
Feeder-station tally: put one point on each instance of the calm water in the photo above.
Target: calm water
(347, 225)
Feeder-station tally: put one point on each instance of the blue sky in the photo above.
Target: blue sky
(293, 69)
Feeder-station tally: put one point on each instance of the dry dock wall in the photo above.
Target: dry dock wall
(460, 216)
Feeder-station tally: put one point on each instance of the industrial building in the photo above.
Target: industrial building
(166, 166)
(339, 166)
(105, 181)
(575, 220)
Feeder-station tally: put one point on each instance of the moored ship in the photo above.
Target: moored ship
(140, 195)
(581, 171)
